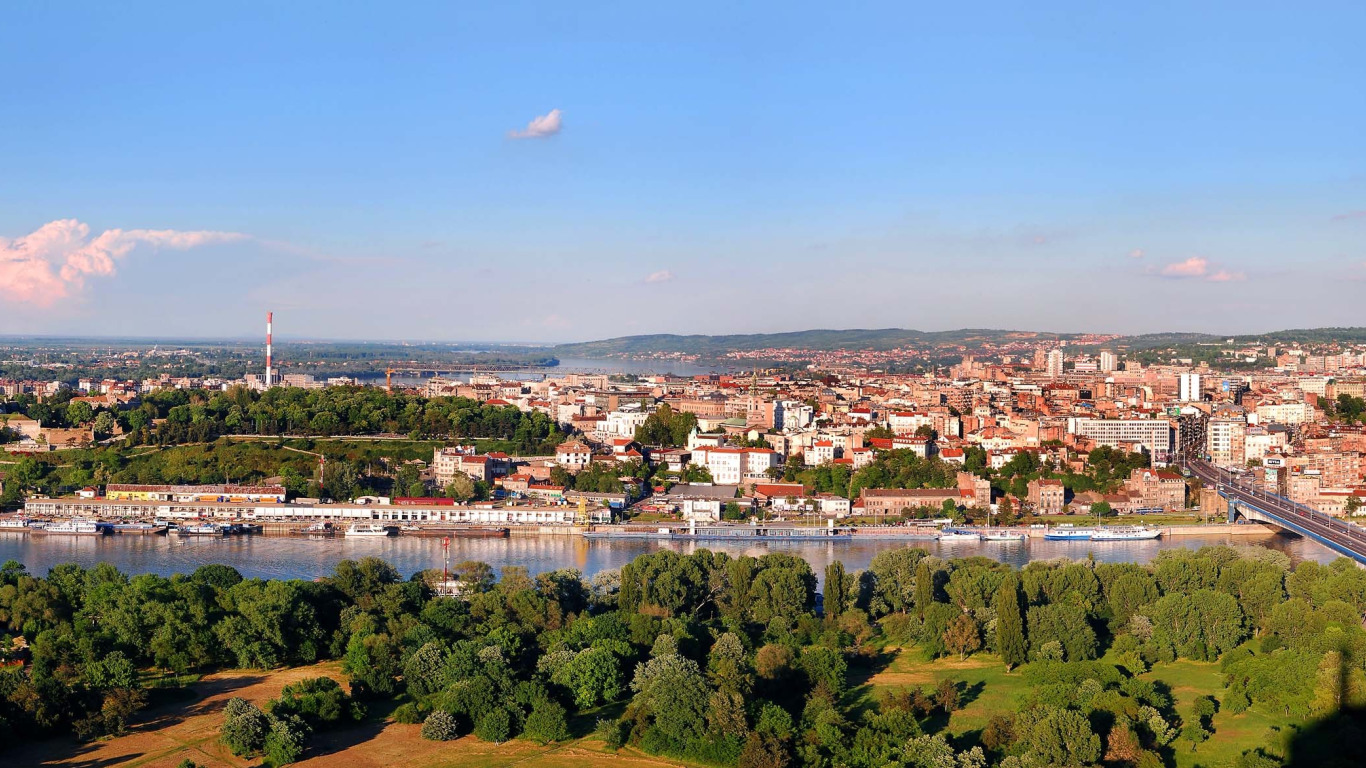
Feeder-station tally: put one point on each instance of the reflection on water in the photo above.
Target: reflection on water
(305, 558)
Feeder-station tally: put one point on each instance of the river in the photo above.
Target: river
(567, 366)
(285, 557)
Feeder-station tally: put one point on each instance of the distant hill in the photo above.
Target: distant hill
(820, 339)
(891, 338)
(1310, 336)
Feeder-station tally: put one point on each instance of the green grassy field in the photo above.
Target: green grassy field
(1233, 734)
(989, 689)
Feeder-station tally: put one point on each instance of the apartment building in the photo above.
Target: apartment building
(1157, 489)
(1157, 436)
(1226, 441)
(1046, 496)
(732, 466)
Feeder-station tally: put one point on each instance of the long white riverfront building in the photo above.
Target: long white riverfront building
(106, 508)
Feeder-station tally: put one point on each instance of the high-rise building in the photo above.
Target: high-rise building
(1040, 359)
(1226, 441)
(1189, 387)
(1107, 361)
(1055, 363)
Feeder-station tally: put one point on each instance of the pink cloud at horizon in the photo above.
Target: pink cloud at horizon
(1195, 266)
(53, 261)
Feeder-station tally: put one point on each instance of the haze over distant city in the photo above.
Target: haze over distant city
(446, 171)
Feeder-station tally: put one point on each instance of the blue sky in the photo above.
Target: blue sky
(716, 169)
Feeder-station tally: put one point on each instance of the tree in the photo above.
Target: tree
(894, 580)
(924, 588)
(440, 726)
(1200, 625)
(962, 636)
(495, 725)
(727, 665)
(104, 424)
(285, 740)
(424, 672)
(547, 723)
(837, 584)
(1102, 509)
(672, 693)
(460, 488)
(1010, 637)
(244, 727)
(319, 701)
(594, 676)
(666, 427)
(1065, 624)
(1061, 737)
(79, 412)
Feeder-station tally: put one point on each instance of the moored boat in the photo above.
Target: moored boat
(369, 530)
(999, 535)
(1067, 532)
(203, 529)
(153, 529)
(73, 528)
(1126, 533)
(952, 534)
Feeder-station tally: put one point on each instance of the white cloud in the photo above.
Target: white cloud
(1137, 253)
(1201, 268)
(1195, 266)
(1226, 276)
(662, 276)
(52, 262)
(540, 127)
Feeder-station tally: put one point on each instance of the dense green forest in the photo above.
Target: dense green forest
(712, 659)
(177, 416)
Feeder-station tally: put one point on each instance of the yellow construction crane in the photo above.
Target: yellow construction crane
(389, 380)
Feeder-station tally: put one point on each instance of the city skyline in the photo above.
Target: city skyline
(525, 174)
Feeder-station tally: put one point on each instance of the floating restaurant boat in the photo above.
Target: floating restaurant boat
(74, 528)
(723, 532)
(203, 529)
(369, 530)
(153, 529)
(1066, 532)
(1003, 536)
(951, 534)
(15, 524)
(1126, 533)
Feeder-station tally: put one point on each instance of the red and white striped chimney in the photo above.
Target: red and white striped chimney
(270, 374)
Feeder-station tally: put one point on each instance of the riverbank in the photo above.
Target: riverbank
(301, 557)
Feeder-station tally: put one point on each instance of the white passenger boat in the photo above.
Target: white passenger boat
(1068, 532)
(14, 524)
(1003, 536)
(73, 528)
(1126, 533)
(950, 534)
(369, 530)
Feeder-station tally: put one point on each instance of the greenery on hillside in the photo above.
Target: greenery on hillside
(731, 661)
(713, 346)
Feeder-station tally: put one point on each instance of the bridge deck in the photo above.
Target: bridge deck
(1337, 534)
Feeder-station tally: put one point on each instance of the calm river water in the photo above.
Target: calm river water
(306, 558)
